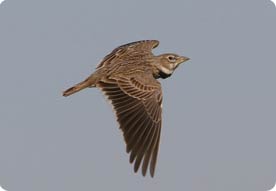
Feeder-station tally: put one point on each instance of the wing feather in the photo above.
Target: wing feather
(148, 153)
(137, 103)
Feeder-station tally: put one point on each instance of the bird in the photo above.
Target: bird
(128, 77)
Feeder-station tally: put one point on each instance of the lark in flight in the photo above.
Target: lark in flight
(128, 77)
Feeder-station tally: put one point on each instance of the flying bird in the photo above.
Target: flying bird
(128, 77)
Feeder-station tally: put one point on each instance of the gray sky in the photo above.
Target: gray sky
(219, 108)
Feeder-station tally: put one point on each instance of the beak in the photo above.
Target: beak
(183, 59)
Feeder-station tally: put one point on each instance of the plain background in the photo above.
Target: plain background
(219, 120)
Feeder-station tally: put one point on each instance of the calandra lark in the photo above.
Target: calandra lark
(128, 77)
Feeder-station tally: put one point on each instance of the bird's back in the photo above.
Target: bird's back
(129, 57)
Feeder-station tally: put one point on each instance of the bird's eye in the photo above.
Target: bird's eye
(171, 58)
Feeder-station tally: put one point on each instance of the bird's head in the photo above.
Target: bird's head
(167, 63)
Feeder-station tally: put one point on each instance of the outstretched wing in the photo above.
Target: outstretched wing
(128, 51)
(137, 103)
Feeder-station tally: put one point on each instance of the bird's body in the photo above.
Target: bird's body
(127, 76)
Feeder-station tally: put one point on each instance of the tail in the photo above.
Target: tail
(86, 83)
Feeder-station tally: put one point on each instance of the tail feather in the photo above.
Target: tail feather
(76, 88)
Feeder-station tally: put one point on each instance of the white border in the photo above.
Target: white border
(2, 189)
(1, 1)
(273, 188)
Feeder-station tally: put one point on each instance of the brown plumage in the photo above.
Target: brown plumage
(127, 76)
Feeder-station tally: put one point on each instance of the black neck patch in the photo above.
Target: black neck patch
(163, 75)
